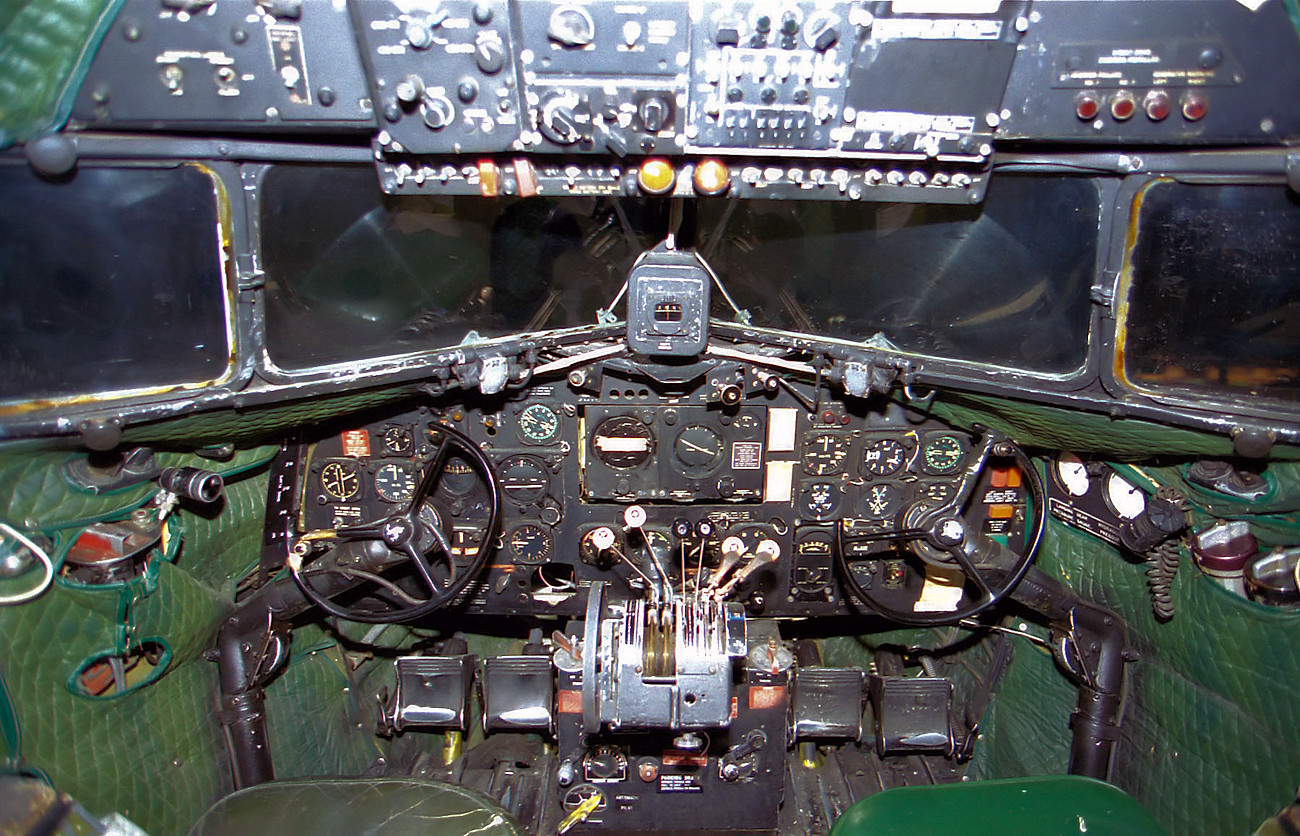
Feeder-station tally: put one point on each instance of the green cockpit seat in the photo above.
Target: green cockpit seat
(370, 806)
(1050, 805)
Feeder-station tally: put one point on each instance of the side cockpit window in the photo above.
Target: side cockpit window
(1214, 298)
(111, 282)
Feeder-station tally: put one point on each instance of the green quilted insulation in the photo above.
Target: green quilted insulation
(45, 50)
(157, 754)
(1035, 425)
(258, 423)
(37, 497)
(1211, 723)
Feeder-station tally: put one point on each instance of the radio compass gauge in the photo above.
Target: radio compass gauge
(883, 457)
(524, 479)
(529, 543)
(943, 454)
(882, 501)
(824, 453)
(398, 441)
(394, 483)
(623, 442)
(340, 480)
(698, 450)
(538, 424)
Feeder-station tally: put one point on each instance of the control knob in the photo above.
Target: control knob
(560, 122)
(489, 56)
(571, 26)
(438, 111)
(654, 113)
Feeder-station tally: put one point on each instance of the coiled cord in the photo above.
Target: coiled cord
(1162, 564)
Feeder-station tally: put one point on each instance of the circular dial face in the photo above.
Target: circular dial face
(939, 493)
(394, 483)
(698, 450)
(820, 500)
(398, 440)
(623, 442)
(825, 453)
(882, 501)
(1072, 474)
(524, 479)
(458, 478)
(883, 457)
(529, 543)
(340, 480)
(943, 454)
(746, 424)
(538, 424)
(1127, 501)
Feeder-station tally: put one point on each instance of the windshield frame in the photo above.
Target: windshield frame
(1115, 373)
(255, 382)
(229, 239)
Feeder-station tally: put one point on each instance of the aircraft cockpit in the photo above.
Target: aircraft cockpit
(672, 416)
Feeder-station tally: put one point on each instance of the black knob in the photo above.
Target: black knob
(789, 24)
(467, 90)
(767, 95)
(192, 483)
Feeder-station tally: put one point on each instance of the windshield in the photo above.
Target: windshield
(354, 273)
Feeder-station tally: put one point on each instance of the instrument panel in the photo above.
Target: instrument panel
(641, 489)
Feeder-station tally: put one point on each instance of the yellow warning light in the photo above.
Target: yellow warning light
(712, 177)
(656, 176)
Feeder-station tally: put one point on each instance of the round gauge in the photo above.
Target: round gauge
(524, 479)
(939, 493)
(943, 454)
(340, 480)
(883, 457)
(538, 424)
(458, 478)
(824, 453)
(1072, 474)
(746, 424)
(1128, 502)
(529, 543)
(698, 450)
(398, 440)
(623, 442)
(820, 500)
(605, 763)
(881, 501)
(394, 483)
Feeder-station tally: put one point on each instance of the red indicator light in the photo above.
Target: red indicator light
(1157, 105)
(1123, 106)
(1086, 106)
(1194, 106)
